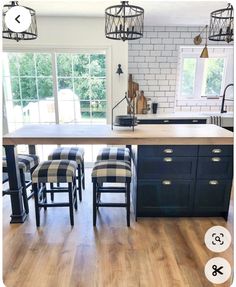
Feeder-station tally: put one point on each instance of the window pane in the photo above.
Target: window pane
(65, 83)
(45, 88)
(85, 109)
(64, 65)
(28, 88)
(13, 64)
(66, 111)
(30, 111)
(44, 64)
(98, 89)
(97, 65)
(98, 109)
(47, 111)
(188, 77)
(214, 69)
(81, 65)
(11, 88)
(27, 65)
(82, 88)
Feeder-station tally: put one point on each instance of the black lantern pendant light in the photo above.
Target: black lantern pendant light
(222, 25)
(29, 34)
(124, 22)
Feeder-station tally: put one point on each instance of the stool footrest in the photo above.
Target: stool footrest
(111, 189)
(110, 204)
(60, 204)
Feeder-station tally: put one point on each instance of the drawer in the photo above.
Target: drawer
(216, 150)
(167, 150)
(215, 167)
(165, 193)
(172, 121)
(173, 167)
(212, 194)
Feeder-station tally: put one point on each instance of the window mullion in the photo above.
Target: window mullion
(55, 86)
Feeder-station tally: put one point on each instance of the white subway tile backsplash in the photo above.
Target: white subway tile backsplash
(153, 62)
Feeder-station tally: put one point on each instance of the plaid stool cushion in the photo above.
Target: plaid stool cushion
(69, 153)
(25, 161)
(114, 153)
(55, 171)
(111, 171)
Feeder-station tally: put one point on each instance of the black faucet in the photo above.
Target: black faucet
(223, 99)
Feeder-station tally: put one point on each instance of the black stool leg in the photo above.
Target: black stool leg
(128, 203)
(83, 173)
(75, 194)
(70, 190)
(36, 201)
(45, 195)
(94, 203)
(24, 191)
(79, 183)
(52, 193)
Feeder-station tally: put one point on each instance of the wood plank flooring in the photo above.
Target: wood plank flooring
(162, 252)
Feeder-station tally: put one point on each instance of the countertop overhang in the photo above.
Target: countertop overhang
(179, 134)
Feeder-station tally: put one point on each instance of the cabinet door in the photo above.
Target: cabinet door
(166, 150)
(212, 195)
(167, 167)
(216, 150)
(165, 197)
(215, 167)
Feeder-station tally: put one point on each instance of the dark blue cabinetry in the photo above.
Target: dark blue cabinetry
(183, 180)
(171, 121)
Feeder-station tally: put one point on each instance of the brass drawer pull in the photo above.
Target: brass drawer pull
(167, 159)
(168, 150)
(217, 150)
(166, 182)
(166, 121)
(194, 121)
(213, 182)
(216, 159)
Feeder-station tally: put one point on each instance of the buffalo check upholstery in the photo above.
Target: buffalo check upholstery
(111, 171)
(69, 153)
(55, 171)
(25, 162)
(114, 153)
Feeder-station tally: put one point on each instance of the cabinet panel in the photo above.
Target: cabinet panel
(212, 195)
(216, 150)
(167, 150)
(165, 194)
(162, 167)
(215, 167)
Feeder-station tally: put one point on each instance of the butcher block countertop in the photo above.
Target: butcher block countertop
(205, 134)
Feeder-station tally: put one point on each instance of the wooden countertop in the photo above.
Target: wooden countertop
(102, 134)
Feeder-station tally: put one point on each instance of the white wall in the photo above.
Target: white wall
(81, 33)
(153, 61)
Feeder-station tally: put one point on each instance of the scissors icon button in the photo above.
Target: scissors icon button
(216, 270)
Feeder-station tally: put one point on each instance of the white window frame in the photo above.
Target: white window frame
(214, 52)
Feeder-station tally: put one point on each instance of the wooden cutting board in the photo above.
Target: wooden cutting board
(133, 88)
(141, 103)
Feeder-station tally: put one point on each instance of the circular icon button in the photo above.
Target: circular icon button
(217, 270)
(217, 238)
(18, 19)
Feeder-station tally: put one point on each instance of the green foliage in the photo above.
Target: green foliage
(215, 69)
(189, 67)
(83, 74)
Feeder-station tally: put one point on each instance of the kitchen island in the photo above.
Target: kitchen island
(151, 138)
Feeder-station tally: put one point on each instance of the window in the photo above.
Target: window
(52, 87)
(204, 78)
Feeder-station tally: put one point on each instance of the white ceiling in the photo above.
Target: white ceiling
(156, 12)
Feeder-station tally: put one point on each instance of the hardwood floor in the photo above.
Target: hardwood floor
(163, 252)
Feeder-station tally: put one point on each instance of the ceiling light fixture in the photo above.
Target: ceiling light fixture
(222, 25)
(124, 22)
(15, 25)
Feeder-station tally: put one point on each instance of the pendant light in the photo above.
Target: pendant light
(198, 40)
(124, 22)
(222, 25)
(30, 33)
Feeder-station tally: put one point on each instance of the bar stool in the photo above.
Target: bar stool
(111, 171)
(71, 153)
(54, 171)
(114, 153)
(26, 163)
